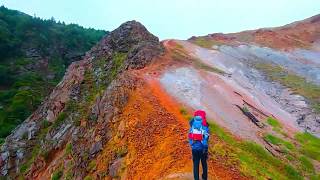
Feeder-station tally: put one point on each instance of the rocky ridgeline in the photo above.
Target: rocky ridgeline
(80, 109)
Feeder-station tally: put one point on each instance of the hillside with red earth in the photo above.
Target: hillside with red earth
(122, 112)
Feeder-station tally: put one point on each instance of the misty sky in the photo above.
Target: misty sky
(179, 19)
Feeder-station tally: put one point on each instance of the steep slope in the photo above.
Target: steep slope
(273, 62)
(34, 54)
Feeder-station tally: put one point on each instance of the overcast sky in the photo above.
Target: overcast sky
(179, 19)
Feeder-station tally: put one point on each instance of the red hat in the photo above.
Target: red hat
(202, 114)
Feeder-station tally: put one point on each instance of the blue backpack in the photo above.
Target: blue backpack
(198, 134)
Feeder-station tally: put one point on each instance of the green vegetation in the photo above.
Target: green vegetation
(68, 149)
(273, 122)
(199, 64)
(180, 54)
(26, 81)
(60, 119)
(35, 151)
(57, 174)
(310, 145)
(45, 154)
(92, 166)
(1, 141)
(206, 43)
(88, 178)
(296, 83)
(278, 141)
(185, 114)
(306, 164)
(122, 151)
(276, 125)
(254, 161)
(183, 111)
(118, 59)
(315, 177)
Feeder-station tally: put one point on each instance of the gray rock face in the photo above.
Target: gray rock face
(115, 167)
(132, 38)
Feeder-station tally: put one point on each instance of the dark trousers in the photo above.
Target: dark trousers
(198, 155)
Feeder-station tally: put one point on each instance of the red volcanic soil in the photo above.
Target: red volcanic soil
(301, 34)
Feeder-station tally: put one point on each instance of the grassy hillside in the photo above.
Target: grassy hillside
(34, 54)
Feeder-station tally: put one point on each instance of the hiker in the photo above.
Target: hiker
(198, 139)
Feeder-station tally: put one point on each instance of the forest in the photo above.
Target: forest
(34, 54)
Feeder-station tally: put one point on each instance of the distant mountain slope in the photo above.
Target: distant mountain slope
(34, 54)
(287, 58)
(300, 34)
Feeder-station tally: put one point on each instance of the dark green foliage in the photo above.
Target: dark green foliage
(45, 124)
(57, 174)
(25, 81)
(61, 117)
(34, 153)
(45, 155)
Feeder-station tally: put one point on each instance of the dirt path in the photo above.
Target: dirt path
(157, 139)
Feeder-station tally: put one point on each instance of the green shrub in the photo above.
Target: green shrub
(60, 119)
(274, 122)
(278, 141)
(2, 140)
(45, 154)
(57, 174)
(45, 124)
(24, 167)
(68, 149)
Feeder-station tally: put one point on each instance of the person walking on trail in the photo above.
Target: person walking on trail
(198, 139)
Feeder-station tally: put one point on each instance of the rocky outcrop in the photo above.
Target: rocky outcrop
(80, 109)
(131, 38)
